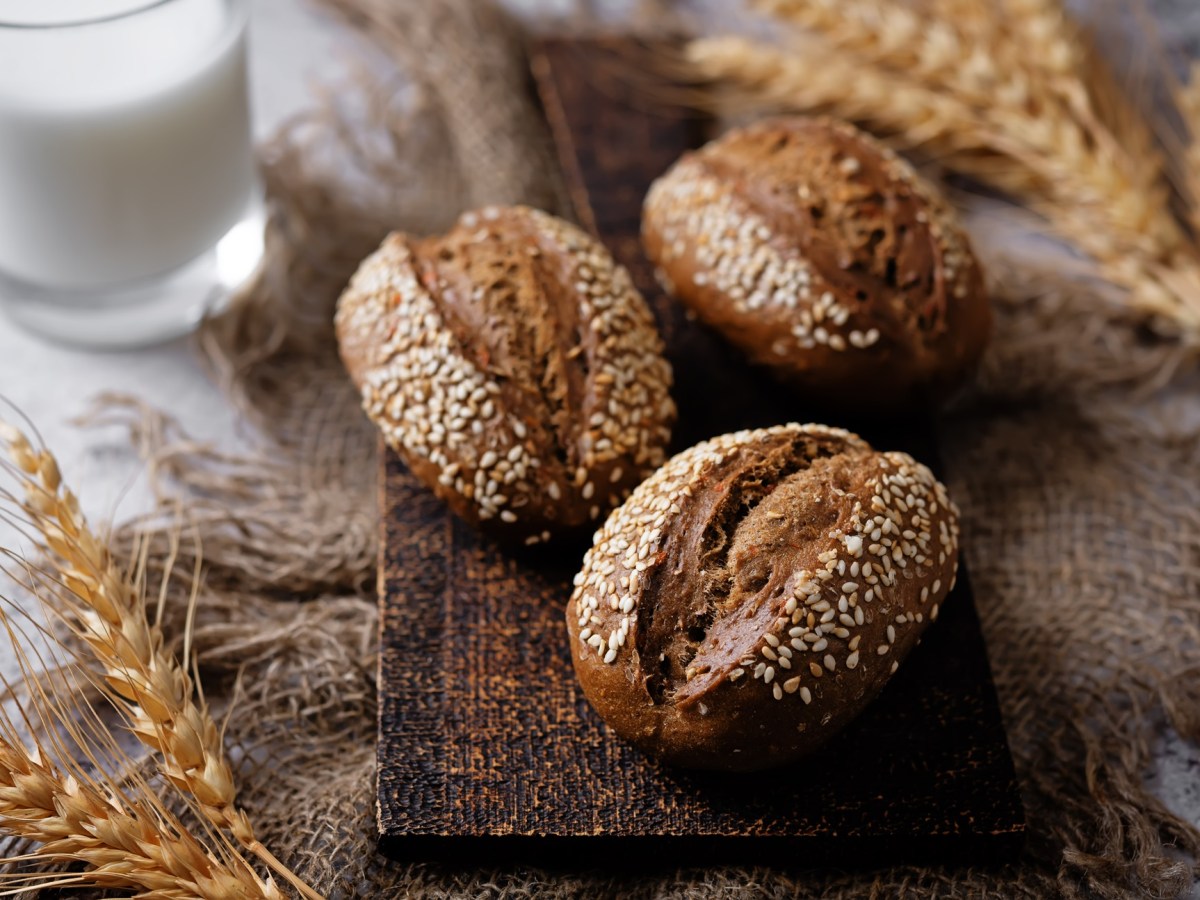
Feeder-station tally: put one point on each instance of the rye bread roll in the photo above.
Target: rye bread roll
(756, 592)
(514, 367)
(824, 257)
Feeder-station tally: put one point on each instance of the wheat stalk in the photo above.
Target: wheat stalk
(71, 814)
(1010, 93)
(125, 845)
(107, 608)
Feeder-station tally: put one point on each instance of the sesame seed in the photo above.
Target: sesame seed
(806, 695)
(852, 660)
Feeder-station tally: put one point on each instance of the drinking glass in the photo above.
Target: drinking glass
(129, 203)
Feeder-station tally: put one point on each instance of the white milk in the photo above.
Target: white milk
(124, 144)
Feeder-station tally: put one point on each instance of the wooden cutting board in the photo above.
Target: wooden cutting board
(487, 748)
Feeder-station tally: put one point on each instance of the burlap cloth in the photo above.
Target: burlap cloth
(1079, 484)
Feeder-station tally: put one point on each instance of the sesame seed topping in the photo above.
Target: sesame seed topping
(434, 403)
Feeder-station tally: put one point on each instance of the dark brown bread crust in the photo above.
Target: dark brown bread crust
(823, 256)
(514, 366)
(754, 594)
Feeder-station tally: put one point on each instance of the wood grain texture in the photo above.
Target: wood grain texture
(487, 747)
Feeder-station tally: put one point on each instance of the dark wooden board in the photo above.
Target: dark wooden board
(487, 747)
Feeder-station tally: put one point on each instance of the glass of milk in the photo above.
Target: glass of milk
(129, 205)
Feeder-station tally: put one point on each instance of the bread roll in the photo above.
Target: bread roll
(756, 592)
(823, 256)
(514, 367)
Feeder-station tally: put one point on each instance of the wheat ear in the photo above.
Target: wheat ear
(70, 812)
(108, 610)
(123, 844)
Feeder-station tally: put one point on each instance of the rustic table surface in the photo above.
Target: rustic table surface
(294, 48)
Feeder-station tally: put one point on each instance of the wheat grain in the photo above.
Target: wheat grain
(107, 608)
